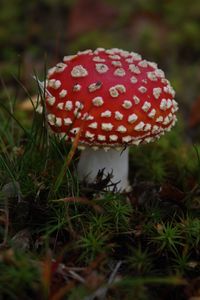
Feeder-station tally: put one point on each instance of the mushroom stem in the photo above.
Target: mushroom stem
(111, 162)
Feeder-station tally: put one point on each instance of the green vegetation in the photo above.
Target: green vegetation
(63, 240)
(68, 240)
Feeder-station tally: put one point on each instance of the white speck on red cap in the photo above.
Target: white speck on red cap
(89, 135)
(94, 86)
(169, 103)
(143, 63)
(169, 89)
(159, 119)
(116, 90)
(129, 60)
(156, 92)
(152, 76)
(152, 113)
(106, 126)
(67, 121)
(60, 105)
(121, 128)
(54, 84)
(101, 137)
(113, 92)
(155, 129)
(77, 113)
(133, 79)
(124, 53)
(106, 114)
(79, 71)
(110, 51)
(93, 125)
(58, 122)
(119, 72)
(116, 63)
(113, 137)
(98, 101)
(76, 87)
(142, 89)
(68, 105)
(136, 142)
(51, 100)
(75, 130)
(115, 57)
(132, 118)
(134, 69)
(159, 73)
(87, 117)
(139, 126)
(170, 116)
(146, 106)
(60, 67)
(136, 99)
(51, 71)
(166, 120)
(121, 88)
(126, 139)
(147, 127)
(175, 106)
(63, 93)
(152, 64)
(99, 49)
(148, 139)
(163, 104)
(51, 119)
(79, 105)
(87, 51)
(127, 104)
(102, 68)
(68, 58)
(98, 59)
(118, 115)
(136, 56)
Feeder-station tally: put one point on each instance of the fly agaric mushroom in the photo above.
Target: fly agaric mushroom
(112, 98)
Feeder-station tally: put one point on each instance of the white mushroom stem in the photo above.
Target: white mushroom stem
(112, 161)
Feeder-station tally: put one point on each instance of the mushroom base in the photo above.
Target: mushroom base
(111, 162)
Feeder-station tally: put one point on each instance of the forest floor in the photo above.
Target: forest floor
(60, 238)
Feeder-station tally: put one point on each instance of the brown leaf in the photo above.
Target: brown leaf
(8, 257)
(194, 117)
(88, 15)
(168, 192)
(192, 290)
(47, 272)
(94, 280)
(81, 200)
(62, 291)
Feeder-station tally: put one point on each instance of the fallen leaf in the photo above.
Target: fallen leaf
(94, 280)
(169, 192)
(80, 200)
(194, 116)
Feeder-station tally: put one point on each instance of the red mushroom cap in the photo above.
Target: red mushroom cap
(113, 96)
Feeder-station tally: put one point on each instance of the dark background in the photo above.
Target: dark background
(35, 35)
